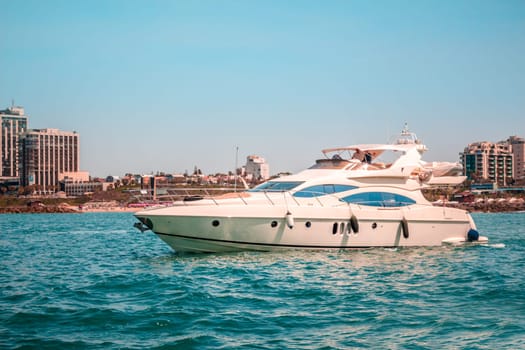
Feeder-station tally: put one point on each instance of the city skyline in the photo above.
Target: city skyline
(254, 163)
(166, 86)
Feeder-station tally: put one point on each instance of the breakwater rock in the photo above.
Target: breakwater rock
(38, 209)
(495, 207)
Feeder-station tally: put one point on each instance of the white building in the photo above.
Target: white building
(79, 176)
(78, 183)
(256, 168)
(13, 122)
(45, 155)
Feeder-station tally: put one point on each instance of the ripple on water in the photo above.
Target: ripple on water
(92, 281)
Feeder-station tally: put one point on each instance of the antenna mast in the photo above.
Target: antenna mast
(235, 169)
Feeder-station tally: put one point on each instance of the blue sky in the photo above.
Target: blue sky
(169, 85)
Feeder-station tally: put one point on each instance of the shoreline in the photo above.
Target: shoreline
(64, 210)
(67, 209)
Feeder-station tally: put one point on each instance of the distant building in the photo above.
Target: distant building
(487, 161)
(13, 122)
(518, 150)
(75, 189)
(256, 168)
(78, 176)
(78, 183)
(112, 178)
(45, 154)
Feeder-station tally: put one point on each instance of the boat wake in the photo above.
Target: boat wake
(497, 245)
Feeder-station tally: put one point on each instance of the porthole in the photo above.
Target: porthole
(342, 229)
(274, 224)
(308, 224)
(374, 225)
(334, 228)
(215, 223)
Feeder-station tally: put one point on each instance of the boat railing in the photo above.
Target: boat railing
(171, 196)
(268, 197)
(187, 196)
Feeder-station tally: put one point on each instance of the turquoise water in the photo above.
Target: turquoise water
(93, 281)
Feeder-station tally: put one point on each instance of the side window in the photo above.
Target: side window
(390, 199)
(321, 190)
(379, 199)
(342, 188)
(328, 189)
(401, 201)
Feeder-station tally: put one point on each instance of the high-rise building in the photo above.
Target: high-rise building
(518, 150)
(13, 122)
(488, 161)
(45, 155)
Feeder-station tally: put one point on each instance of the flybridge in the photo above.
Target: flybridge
(406, 140)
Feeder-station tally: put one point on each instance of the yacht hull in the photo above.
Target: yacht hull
(269, 229)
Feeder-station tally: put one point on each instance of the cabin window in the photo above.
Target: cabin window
(276, 186)
(379, 199)
(321, 190)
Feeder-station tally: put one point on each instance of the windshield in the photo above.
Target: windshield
(321, 190)
(336, 163)
(276, 186)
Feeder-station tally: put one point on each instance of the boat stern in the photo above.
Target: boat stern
(471, 237)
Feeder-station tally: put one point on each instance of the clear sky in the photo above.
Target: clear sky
(169, 85)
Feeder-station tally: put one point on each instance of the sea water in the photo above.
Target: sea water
(92, 281)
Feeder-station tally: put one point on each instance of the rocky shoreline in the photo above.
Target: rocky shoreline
(39, 209)
(490, 208)
(40, 206)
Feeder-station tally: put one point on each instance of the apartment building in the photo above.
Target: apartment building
(487, 161)
(45, 154)
(13, 122)
(518, 150)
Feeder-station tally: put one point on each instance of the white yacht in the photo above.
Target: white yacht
(355, 197)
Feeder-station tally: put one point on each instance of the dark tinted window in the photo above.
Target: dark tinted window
(379, 199)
